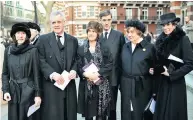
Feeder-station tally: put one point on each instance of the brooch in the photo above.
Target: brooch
(144, 49)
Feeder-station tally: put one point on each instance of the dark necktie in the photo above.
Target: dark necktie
(59, 43)
(106, 33)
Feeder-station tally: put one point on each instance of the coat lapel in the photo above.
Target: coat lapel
(54, 46)
(68, 51)
(112, 36)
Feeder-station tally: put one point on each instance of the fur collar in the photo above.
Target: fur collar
(165, 44)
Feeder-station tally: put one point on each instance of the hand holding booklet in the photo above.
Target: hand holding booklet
(91, 67)
(32, 109)
(66, 80)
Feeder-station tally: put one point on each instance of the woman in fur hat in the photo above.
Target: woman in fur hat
(136, 84)
(174, 61)
(20, 76)
(94, 90)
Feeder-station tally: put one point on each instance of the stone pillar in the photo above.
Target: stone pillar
(190, 9)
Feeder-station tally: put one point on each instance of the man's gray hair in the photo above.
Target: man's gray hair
(55, 13)
(105, 13)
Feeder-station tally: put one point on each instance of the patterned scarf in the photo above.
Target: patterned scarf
(103, 88)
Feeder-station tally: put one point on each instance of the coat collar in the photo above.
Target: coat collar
(166, 43)
(142, 44)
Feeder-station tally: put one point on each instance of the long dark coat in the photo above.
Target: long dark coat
(20, 77)
(115, 42)
(171, 98)
(50, 61)
(136, 82)
(89, 109)
(37, 115)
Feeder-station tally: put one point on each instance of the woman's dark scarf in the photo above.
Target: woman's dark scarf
(19, 49)
(104, 89)
(166, 43)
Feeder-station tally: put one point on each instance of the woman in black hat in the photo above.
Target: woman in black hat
(94, 96)
(174, 61)
(136, 84)
(20, 76)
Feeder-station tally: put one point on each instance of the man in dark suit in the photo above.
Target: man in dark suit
(58, 53)
(35, 33)
(114, 40)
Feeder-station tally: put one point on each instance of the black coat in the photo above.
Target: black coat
(50, 61)
(171, 98)
(89, 109)
(115, 42)
(20, 77)
(37, 115)
(136, 83)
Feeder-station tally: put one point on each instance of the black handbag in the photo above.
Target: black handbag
(148, 112)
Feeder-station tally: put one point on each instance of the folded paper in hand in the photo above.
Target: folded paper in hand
(172, 57)
(32, 109)
(91, 68)
(152, 106)
(66, 80)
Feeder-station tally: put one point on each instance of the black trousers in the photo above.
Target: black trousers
(114, 90)
(192, 45)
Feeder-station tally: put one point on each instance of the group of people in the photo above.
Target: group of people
(139, 69)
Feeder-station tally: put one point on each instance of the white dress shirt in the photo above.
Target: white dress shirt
(61, 38)
(107, 34)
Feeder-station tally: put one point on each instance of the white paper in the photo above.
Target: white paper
(172, 57)
(91, 68)
(131, 106)
(66, 80)
(152, 106)
(32, 109)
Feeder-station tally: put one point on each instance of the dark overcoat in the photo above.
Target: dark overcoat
(89, 109)
(171, 98)
(136, 83)
(20, 77)
(50, 61)
(115, 42)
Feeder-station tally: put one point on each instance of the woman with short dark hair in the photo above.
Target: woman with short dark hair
(174, 61)
(137, 58)
(94, 88)
(20, 76)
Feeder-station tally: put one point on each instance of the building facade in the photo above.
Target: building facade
(182, 9)
(78, 14)
(148, 12)
(13, 12)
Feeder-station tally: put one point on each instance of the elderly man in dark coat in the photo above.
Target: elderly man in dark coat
(58, 53)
